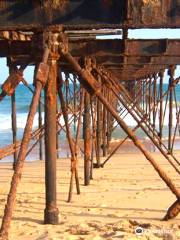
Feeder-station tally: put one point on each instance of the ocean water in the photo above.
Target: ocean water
(23, 99)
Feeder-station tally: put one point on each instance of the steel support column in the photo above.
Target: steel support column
(14, 126)
(99, 132)
(51, 211)
(104, 128)
(13, 120)
(161, 75)
(57, 132)
(87, 138)
(40, 126)
(171, 74)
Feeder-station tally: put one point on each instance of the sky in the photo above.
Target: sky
(136, 34)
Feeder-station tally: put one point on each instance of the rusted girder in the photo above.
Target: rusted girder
(132, 59)
(173, 210)
(111, 48)
(89, 14)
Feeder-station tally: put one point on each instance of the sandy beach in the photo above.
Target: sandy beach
(127, 193)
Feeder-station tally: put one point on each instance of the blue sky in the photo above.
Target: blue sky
(137, 34)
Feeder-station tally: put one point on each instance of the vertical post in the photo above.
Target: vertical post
(99, 129)
(130, 86)
(94, 147)
(67, 88)
(146, 99)
(87, 139)
(143, 95)
(154, 104)
(108, 131)
(74, 103)
(14, 126)
(150, 97)
(138, 92)
(51, 211)
(98, 133)
(109, 125)
(171, 74)
(92, 158)
(104, 130)
(154, 100)
(161, 74)
(57, 132)
(125, 33)
(13, 121)
(40, 126)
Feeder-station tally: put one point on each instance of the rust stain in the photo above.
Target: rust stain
(11, 83)
(42, 73)
(152, 11)
(51, 6)
(55, 4)
(152, 2)
(59, 4)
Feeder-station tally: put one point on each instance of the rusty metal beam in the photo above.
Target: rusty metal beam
(137, 62)
(132, 59)
(112, 48)
(36, 14)
(87, 138)
(128, 47)
(85, 14)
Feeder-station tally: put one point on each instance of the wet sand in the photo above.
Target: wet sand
(125, 194)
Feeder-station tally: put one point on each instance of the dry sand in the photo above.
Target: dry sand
(123, 195)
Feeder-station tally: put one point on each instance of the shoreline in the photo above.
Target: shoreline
(127, 147)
